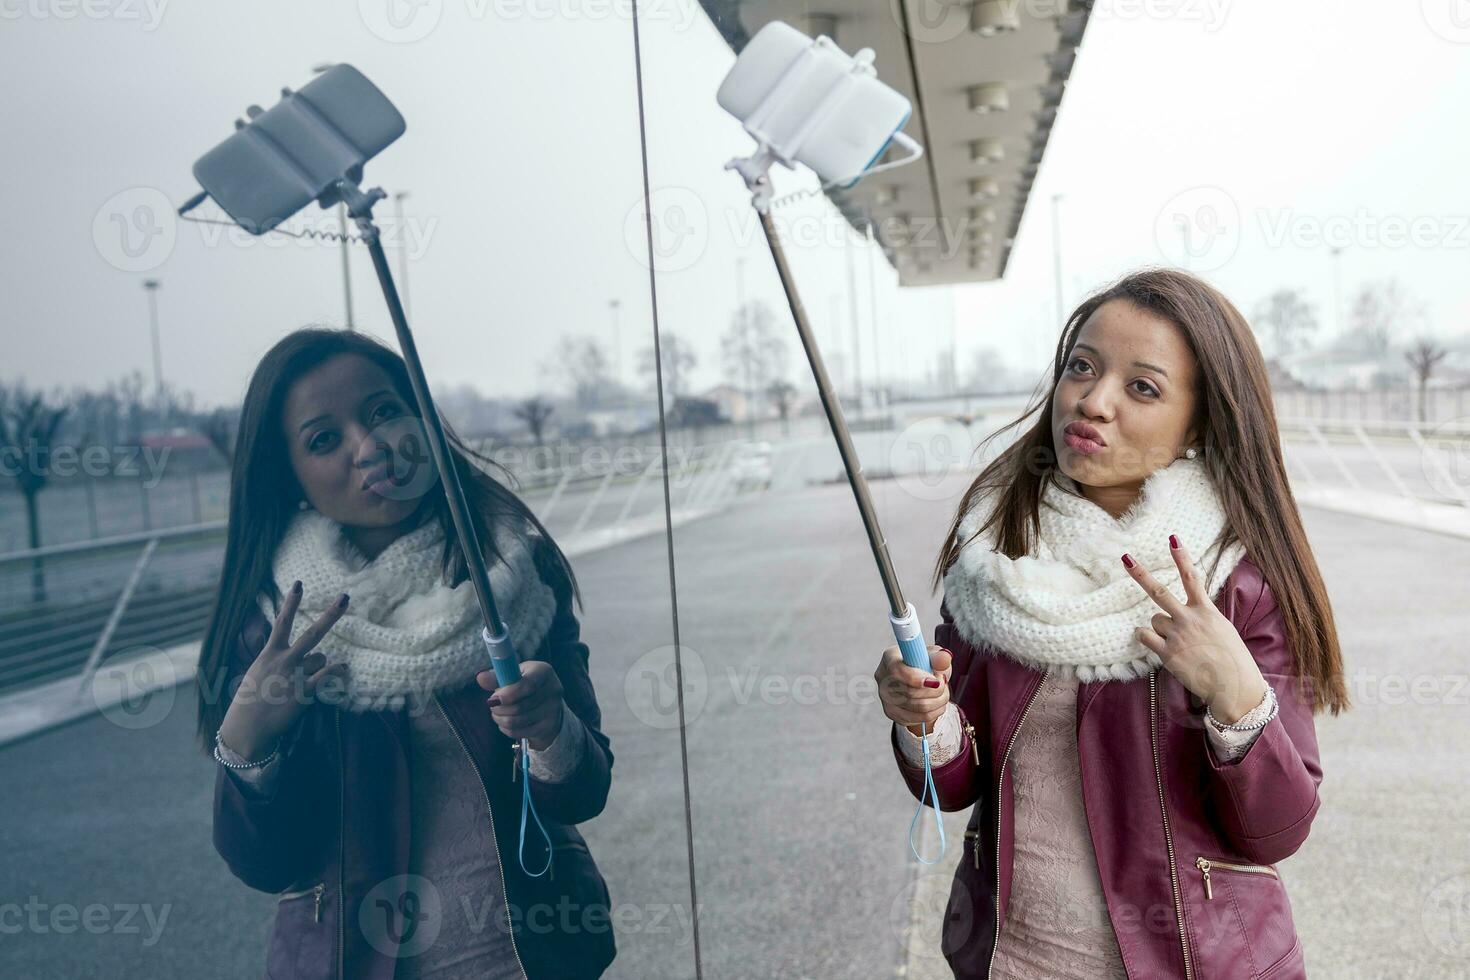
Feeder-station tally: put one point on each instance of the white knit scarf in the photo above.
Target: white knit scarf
(1071, 604)
(406, 633)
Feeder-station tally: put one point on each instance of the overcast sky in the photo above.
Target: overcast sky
(1286, 121)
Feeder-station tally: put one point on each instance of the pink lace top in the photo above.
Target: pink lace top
(1057, 924)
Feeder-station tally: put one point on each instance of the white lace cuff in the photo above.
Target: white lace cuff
(1230, 745)
(260, 780)
(560, 759)
(945, 740)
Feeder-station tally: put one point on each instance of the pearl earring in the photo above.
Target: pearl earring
(1189, 453)
(303, 505)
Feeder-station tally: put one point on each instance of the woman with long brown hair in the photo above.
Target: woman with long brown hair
(1138, 637)
(364, 775)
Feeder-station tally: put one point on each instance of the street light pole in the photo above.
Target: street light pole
(1056, 255)
(403, 250)
(857, 349)
(346, 268)
(1337, 287)
(617, 343)
(873, 315)
(151, 286)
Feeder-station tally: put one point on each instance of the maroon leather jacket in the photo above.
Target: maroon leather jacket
(337, 825)
(1185, 844)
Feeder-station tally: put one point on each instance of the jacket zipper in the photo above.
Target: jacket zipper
(999, 780)
(341, 847)
(973, 835)
(974, 745)
(1153, 735)
(499, 865)
(317, 889)
(1205, 864)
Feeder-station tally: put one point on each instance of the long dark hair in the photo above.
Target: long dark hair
(1242, 453)
(264, 494)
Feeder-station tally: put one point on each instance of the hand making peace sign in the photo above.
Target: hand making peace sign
(1197, 643)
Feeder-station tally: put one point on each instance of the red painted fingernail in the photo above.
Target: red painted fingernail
(931, 682)
(1173, 541)
(296, 587)
(494, 701)
(342, 602)
(1127, 560)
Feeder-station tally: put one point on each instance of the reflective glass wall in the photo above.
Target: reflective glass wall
(131, 336)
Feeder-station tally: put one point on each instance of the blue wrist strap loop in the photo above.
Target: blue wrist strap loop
(933, 794)
(527, 805)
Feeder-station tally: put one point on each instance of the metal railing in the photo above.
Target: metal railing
(68, 609)
(1419, 462)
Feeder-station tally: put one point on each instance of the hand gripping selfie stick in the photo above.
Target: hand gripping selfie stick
(311, 146)
(805, 101)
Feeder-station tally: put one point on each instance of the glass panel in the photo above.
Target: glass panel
(506, 230)
(799, 816)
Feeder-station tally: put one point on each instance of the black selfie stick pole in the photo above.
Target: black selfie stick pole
(851, 463)
(360, 206)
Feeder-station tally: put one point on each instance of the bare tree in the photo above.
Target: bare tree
(752, 352)
(678, 360)
(1289, 319)
(132, 404)
(1423, 356)
(218, 428)
(583, 364)
(28, 427)
(1380, 311)
(782, 394)
(534, 412)
(989, 371)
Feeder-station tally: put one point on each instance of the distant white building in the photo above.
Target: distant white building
(732, 402)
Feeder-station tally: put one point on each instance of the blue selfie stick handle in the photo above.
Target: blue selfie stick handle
(503, 659)
(507, 667)
(910, 637)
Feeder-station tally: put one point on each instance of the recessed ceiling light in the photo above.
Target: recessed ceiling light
(984, 187)
(991, 17)
(989, 97)
(987, 150)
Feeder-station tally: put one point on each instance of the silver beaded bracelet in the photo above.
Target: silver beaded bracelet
(1242, 725)
(241, 765)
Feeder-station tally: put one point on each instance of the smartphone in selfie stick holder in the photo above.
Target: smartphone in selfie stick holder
(805, 101)
(311, 146)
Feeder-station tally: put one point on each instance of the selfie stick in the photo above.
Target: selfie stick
(805, 101)
(494, 632)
